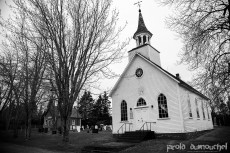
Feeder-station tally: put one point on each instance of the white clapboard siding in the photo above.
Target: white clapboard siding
(153, 82)
(194, 124)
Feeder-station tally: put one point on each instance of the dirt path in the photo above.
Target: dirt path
(219, 134)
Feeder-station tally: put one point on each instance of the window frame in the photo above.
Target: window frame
(197, 109)
(162, 101)
(142, 103)
(202, 107)
(124, 112)
(189, 106)
(73, 122)
(207, 111)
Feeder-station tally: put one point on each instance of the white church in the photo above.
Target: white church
(147, 97)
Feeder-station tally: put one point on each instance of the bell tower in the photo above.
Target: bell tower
(142, 35)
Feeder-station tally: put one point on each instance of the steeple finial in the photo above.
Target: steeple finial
(142, 35)
(139, 5)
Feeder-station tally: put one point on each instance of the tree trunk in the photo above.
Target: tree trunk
(28, 128)
(65, 129)
(8, 116)
(55, 123)
(16, 122)
(18, 114)
(7, 119)
(16, 127)
(224, 121)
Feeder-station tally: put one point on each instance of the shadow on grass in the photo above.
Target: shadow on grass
(216, 140)
(54, 142)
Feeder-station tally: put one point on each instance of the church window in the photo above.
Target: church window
(189, 107)
(73, 122)
(78, 122)
(162, 106)
(124, 111)
(144, 39)
(207, 111)
(197, 109)
(141, 102)
(139, 72)
(203, 109)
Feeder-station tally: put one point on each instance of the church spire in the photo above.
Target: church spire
(142, 35)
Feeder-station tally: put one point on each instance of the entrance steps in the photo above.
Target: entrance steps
(110, 147)
(124, 141)
(136, 136)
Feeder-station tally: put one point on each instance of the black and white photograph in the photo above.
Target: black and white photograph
(105, 76)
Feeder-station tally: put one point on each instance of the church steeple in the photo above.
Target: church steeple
(142, 35)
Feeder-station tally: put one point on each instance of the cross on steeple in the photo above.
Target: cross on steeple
(142, 35)
(138, 3)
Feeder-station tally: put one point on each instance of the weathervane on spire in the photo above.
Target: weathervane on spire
(139, 4)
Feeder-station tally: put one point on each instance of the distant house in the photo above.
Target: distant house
(75, 119)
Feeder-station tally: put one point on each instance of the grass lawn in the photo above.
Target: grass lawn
(48, 142)
(220, 135)
(41, 142)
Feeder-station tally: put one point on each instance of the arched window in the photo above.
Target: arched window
(197, 109)
(141, 102)
(207, 110)
(189, 107)
(124, 111)
(162, 106)
(202, 107)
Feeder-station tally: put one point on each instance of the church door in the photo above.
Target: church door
(141, 116)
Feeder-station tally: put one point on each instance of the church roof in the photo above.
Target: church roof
(181, 82)
(74, 114)
(178, 80)
(142, 46)
(141, 26)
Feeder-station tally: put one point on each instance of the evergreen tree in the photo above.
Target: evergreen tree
(100, 111)
(86, 106)
(97, 109)
(106, 108)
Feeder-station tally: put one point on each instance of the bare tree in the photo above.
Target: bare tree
(83, 40)
(204, 26)
(33, 68)
(6, 85)
(28, 47)
(8, 76)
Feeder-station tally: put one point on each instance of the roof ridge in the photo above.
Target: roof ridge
(181, 82)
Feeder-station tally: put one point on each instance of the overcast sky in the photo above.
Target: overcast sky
(163, 39)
